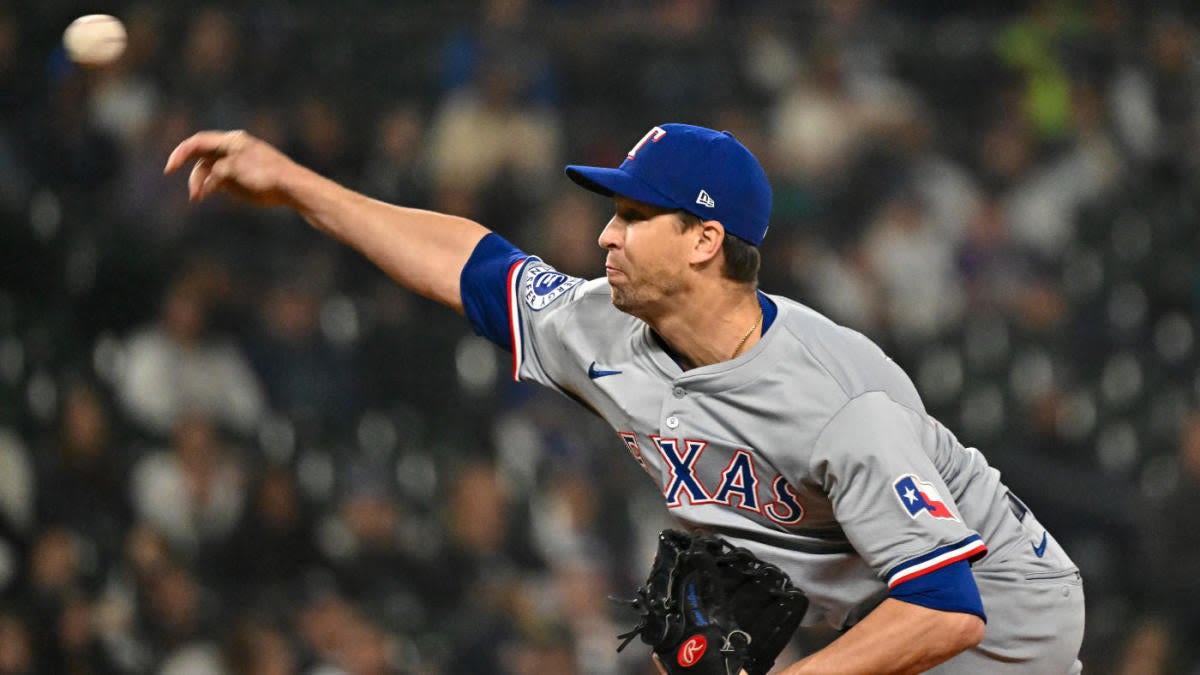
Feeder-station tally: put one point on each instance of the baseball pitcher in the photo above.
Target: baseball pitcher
(809, 483)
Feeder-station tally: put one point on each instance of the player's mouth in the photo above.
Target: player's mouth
(610, 272)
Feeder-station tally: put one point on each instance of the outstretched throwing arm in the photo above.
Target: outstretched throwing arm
(423, 251)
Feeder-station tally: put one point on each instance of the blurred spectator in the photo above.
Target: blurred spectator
(1043, 204)
(583, 588)
(16, 648)
(818, 125)
(867, 37)
(1176, 77)
(488, 136)
(322, 621)
(676, 72)
(305, 377)
(207, 81)
(1033, 44)
(914, 264)
(1170, 549)
(842, 285)
(192, 492)
(273, 545)
(58, 562)
(15, 181)
(122, 616)
(1001, 275)
(378, 562)
(366, 649)
(16, 511)
(486, 558)
(506, 29)
(182, 622)
(76, 158)
(179, 366)
(17, 489)
(950, 193)
(63, 567)
(321, 140)
(78, 649)
(544, 649)
(396, 170)
(82, 482)
(259, 648)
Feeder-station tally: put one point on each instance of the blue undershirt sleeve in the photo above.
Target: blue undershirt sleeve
(949, 589)
(483, 286)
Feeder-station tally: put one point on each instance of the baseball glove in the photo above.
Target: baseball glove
(709, 608)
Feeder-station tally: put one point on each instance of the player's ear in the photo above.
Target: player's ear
(710, 235)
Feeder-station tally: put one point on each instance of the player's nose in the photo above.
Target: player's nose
(610, 236)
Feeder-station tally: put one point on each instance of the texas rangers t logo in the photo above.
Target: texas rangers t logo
(652, 136)
(919, 497)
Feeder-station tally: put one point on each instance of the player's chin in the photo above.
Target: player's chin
(621, 299)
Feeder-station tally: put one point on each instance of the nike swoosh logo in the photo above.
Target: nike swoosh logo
(1040, 549)
(596, 373)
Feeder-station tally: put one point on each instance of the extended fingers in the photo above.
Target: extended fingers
(221, 170)
(207, 176)
(200, 173)
(210, 144)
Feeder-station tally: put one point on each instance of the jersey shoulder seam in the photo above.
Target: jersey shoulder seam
(817, 360)
(850, 397)
(850, 400)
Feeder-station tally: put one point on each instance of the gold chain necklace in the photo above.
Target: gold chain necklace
(742, 343)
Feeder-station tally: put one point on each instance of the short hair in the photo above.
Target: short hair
(742, 259)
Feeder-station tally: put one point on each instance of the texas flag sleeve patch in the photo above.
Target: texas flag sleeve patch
(919, 497)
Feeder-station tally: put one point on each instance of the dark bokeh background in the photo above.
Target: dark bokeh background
(229, 445)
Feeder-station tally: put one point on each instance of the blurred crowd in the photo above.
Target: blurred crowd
(230, 445)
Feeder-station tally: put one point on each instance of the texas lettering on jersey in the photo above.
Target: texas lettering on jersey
(737, 485)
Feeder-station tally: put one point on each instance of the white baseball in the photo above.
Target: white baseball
(95, 39)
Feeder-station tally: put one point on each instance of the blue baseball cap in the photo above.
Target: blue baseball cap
(707, 173)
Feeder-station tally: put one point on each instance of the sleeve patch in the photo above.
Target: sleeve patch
(544, 285)
(919, 497)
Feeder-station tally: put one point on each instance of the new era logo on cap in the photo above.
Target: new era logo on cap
(705, 172)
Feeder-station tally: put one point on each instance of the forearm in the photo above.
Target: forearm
(423, 251)
(896, 638)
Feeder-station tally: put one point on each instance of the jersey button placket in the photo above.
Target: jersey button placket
(672, 409)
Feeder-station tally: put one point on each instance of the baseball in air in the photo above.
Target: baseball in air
(95, 40)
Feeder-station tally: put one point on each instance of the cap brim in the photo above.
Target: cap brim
(610, 182)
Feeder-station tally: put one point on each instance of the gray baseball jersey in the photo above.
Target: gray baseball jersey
(814, 451)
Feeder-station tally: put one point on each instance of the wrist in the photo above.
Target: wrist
(298, 187)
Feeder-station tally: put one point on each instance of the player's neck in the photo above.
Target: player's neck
(715, 328)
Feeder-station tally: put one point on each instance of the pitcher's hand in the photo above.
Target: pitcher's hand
(236, 161)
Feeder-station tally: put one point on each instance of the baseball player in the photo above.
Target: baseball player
(759, 419)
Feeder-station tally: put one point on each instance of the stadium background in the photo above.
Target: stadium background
(228, 444)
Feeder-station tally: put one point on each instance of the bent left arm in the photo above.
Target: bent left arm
(896, 638)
